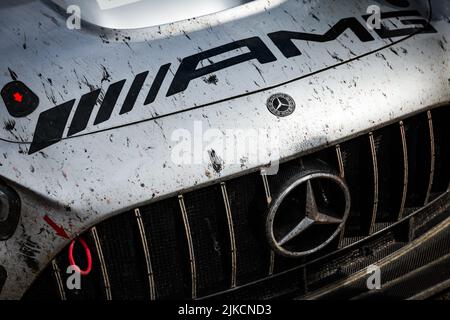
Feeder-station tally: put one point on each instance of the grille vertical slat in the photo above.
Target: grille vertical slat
(59, 282)
(46, 286)
(432, 156)
(405, 170)
(145, 247)
(190, 246)
(101, 259)
(232, 237)
(373, 153)
(212, 240)
(388, 147)
(342, 175)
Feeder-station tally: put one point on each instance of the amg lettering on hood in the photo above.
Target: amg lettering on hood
(52, 123)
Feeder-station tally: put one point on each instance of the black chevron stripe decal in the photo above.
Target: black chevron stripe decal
(109, 102)
(50, 126)
(83, 112)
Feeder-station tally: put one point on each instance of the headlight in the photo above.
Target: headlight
(4, 207)
(9, 212)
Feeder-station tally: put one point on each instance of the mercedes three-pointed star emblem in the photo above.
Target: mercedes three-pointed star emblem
(295, 211)
(281, 104)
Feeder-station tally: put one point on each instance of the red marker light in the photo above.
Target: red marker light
(18, 97)
(88, 257)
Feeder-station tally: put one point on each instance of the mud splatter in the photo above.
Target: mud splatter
(3, 276)
(216, 162)
(106, 76)
(212, 79)
(53, 19)
(24, 45)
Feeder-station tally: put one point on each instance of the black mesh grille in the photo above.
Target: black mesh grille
(124, 258)
(418, 145)
(246, 201)
(359, 176)
(390, 159)
(391, 172)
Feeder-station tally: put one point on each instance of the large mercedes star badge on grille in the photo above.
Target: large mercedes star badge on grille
(307, 213)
